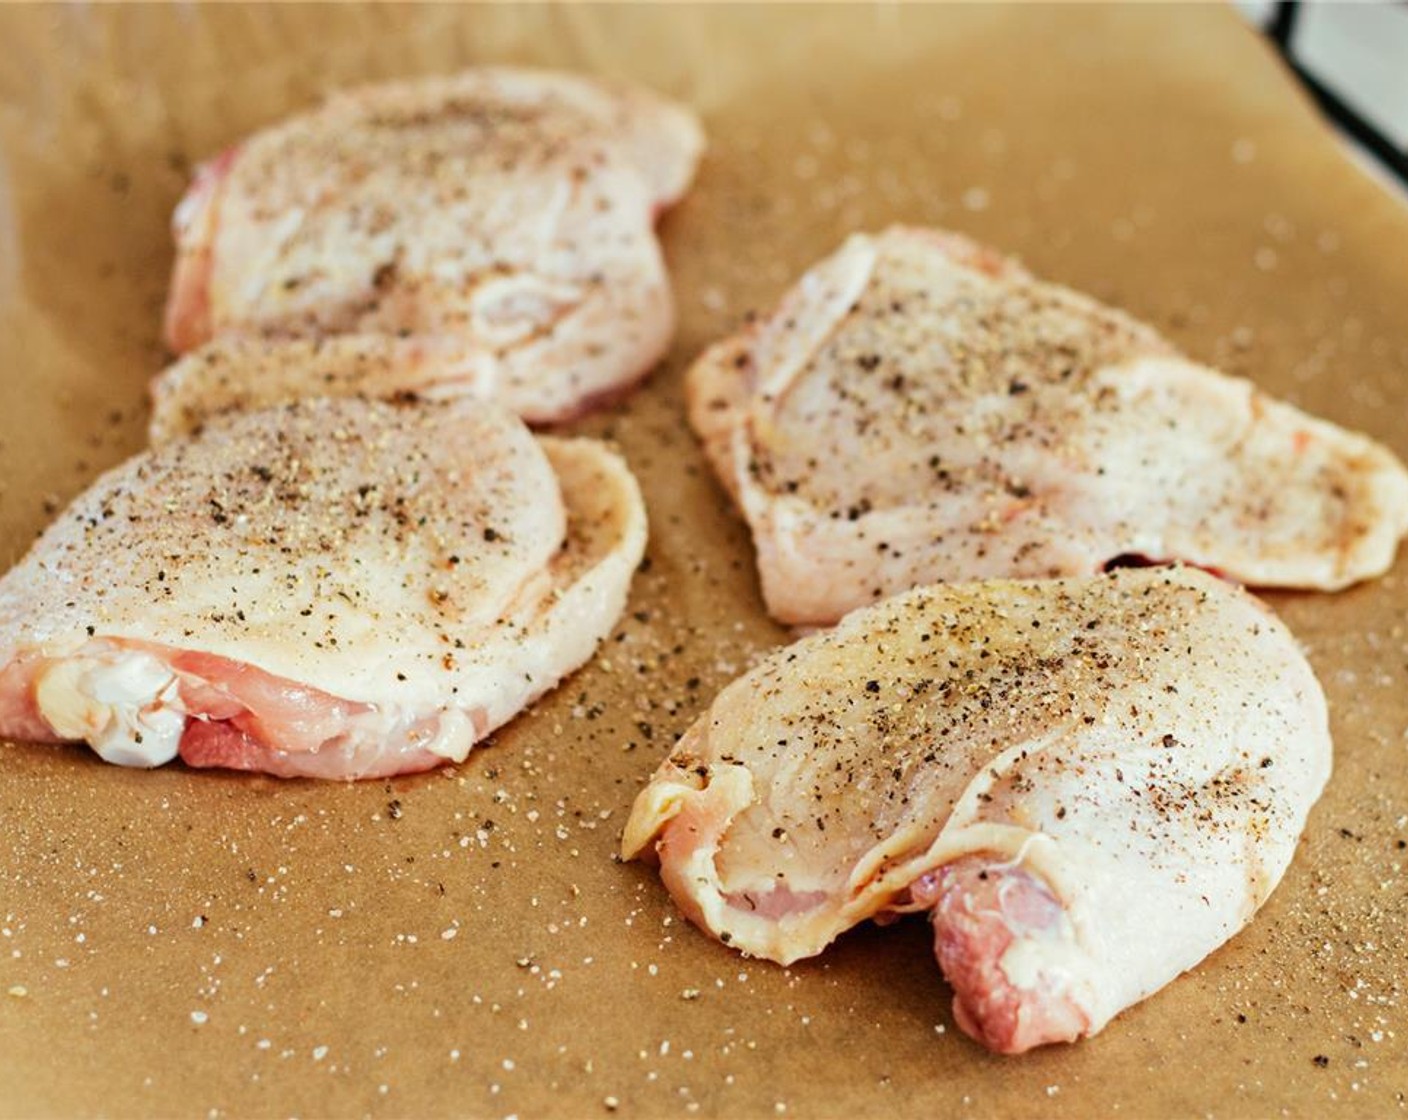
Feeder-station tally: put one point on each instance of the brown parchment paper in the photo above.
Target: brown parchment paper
(463, 943)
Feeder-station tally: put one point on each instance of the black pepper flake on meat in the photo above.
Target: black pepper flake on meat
(491, 535)
(393, 809)
(384, 275)
(1321, 1060)
(872, 686)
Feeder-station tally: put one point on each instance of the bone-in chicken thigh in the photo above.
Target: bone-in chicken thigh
(332, 588)
(241, 373)
(510, 211)
(1089, 783)
(920, 409)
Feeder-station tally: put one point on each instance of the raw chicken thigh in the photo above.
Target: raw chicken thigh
(335, 588)
(239, 373)
(509, 211)
(921, 409)
(1090, 783)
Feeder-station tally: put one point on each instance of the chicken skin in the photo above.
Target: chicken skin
(241, 373)
(334, 588)
(505, 214)
(921, 409)
(1090, 784)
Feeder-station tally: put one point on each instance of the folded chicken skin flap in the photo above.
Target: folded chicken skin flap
(333, 588)
(1090, 784)
(509, 212)
(921, 409)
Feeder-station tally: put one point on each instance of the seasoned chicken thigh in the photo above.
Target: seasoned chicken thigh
(240, 373)
(921, 409)
(507, 212)
(331, 588)
(1089, 783)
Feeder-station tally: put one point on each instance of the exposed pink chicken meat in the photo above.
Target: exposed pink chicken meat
(1089, 784)
(919, 409)
(335, 588)
(506, 213)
